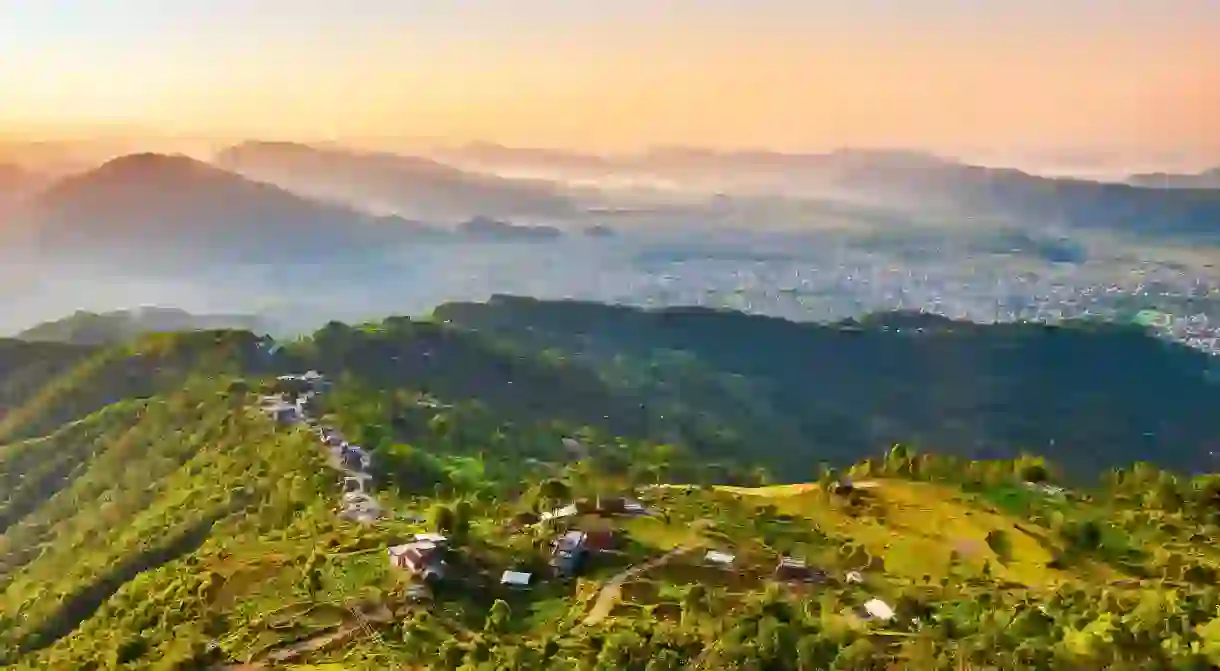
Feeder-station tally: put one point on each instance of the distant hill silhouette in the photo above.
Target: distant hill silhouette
(88, 328)
(1207, 179)
(1090, 395)
(485, 228)
(154, 207)
(416, 186)
(916, 179)
(15, 184)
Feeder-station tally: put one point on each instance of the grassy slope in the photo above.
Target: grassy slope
(915, 526)
(164, 480)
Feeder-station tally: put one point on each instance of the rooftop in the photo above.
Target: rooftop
(515, 578)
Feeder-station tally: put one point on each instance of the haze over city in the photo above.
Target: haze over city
(813, 160)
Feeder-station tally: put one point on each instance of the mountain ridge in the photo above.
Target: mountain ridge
(415, 186)
(168, 209)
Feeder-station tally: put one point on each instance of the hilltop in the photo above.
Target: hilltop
(153, 209)
(88, 328)
(189, 500)
(412, 185)
(1206, 179)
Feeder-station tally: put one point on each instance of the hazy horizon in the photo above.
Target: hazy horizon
(1027, 84)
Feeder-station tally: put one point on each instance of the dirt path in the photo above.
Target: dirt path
(610, 592)
(291, 652)
(364, 622)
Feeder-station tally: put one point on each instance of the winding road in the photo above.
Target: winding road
(610, 592)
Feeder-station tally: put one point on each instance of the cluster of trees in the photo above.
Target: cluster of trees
(135, 484)
(121, 500)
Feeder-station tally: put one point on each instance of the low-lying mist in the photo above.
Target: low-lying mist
(982, 273)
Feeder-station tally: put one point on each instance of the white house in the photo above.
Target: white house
(719, 558)
(878, 610)
(516, 579)
(569, 510)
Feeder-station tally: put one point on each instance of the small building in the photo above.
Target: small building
(601, 540)
(878, 610)
(791, 569)
(717, 558)
(283, 413)
(353, 458)
(365, 511)
(439, 539)
(516, 579)
(633, 507)
(423, 558)
(570, 553)
(356, 484)
(569, 510)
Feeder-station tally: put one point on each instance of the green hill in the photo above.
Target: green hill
(152, 518)
(110, 328)
(1094, 395)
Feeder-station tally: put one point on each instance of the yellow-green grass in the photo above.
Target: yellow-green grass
(920, 524)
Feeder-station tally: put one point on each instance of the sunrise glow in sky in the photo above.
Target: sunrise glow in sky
(617, 74)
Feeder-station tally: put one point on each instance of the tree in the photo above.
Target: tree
(462, 514)
(498, 617)
(1032, 471)
(1000, 544)
(553, 491)
(443, 519)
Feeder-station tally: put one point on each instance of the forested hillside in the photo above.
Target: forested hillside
(151, 516)
(1092, 394)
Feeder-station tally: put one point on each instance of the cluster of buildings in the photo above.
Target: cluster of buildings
(835, 281)
(294, 405)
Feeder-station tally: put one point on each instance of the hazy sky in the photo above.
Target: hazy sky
(615, 74)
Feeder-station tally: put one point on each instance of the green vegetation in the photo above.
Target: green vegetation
(110, 328)
(152, 517)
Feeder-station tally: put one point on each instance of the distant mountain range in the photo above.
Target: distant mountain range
(915, 179)
(413, 186)
(1207, 179)
(88, 328)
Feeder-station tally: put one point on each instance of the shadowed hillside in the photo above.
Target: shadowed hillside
(1091, 394)
(157, 209)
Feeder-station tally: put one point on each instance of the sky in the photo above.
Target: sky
(611, 75)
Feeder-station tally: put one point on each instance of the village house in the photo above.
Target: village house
(569, 510)
(283, 413)
(878, 610)
(422, 558)
(791, 569)
(516, 579)
(617, 505)
(357, 483)
(360, 507)
(720, 559)
(570, 553)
